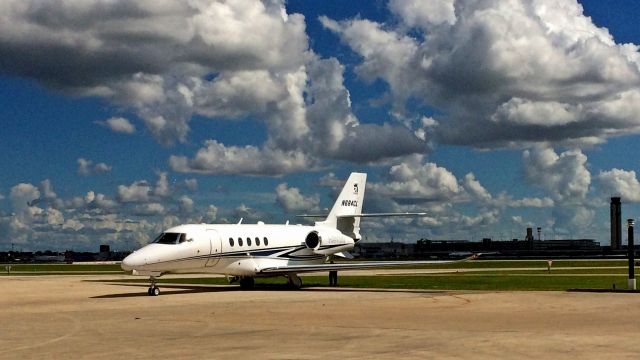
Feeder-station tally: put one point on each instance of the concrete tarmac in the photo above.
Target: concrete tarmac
(63, 317)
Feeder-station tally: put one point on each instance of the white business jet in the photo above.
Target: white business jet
(245, 251)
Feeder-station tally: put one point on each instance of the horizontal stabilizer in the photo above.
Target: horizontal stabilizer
(364, 215)
(385, 214)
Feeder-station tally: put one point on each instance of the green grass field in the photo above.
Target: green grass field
(71, 269)
(474, 275)
(434, 282)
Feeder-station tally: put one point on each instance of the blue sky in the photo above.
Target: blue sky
(121, 120)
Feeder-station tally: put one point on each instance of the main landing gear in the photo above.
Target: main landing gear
(294, 281)
(153, 289)
(246, 283)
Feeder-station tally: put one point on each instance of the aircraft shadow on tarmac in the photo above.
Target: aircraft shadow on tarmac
(179, 289)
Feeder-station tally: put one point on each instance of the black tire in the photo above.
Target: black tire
(247, 283)
(295, 283)
(156, 291)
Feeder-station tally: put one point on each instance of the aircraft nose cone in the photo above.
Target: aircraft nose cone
(131, 262)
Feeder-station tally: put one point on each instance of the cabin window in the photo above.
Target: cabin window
(170, 238)
(257, 241)
(231, 241)
(248, 241)
(266, 241)
(239, 241)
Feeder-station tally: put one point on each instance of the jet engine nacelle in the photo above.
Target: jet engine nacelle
(328, 241)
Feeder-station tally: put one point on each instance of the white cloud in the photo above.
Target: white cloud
(22, 195)
(102, 168)
(247, 214)
(211, 214)
(475, 189)
(100, 201)
(47, 190)
(618, 182)
(573, 219)
(222, 59)
(162, 185)
(565, 176)
(416, 181)
(532, 202)
(151, 56)
(138, 191)
(186, 204)
(417, 13)
(191, 184)
(86, 168)
(216, 158)
(119, 125)
(502, 73)
(292, 201)
(149, 209)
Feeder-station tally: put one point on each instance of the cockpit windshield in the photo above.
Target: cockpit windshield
(171, 238)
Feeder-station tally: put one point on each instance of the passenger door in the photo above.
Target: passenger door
(216, 247)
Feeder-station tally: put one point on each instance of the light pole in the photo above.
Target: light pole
(631, 282)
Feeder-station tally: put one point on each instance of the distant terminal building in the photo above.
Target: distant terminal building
(514, 248)
(384, 250)
(616, 224)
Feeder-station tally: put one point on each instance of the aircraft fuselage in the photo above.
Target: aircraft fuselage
(235, 250)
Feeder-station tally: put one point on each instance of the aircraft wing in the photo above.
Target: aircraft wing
(356, 265)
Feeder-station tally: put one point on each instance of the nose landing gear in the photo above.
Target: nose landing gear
(153, 289)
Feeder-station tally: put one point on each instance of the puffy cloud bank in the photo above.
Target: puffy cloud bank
(503, 73)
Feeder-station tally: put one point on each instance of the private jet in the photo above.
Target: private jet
(243, 252)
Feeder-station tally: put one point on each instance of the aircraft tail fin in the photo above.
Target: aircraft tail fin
(345, 213)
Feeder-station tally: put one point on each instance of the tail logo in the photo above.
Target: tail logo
(355, 189)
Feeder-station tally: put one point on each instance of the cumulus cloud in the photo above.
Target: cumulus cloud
(291, 200)
(502, 73)
(571, 219)
(151, 57)
(618, 182)
(565, 176)
(475, 189)
(119, 125)
(191, 184)
(138, 191)
(302, 130)
(216, 158)
(87, 168)
(186, 204)
(422, 14)
(99, 201)
(211, 214)
(22, 196)
(149, 209)
(247, 214)
(416, 181)
(39, 216)
(162, 185)
(220, 59)
(532, 202)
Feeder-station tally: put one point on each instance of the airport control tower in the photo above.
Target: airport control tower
(616, 224)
